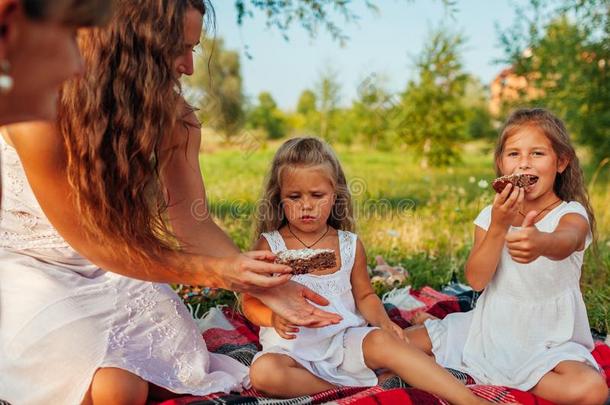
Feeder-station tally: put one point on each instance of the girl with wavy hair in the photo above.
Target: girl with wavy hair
(307, 205)
(99, 212)
(529, 329)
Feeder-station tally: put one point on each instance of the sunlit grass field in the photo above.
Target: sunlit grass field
(420, 218)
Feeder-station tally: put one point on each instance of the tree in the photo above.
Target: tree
(328, 94)
(563, 53)
(370, 112)
(311, 14)
(268, 117)
(479, 121)
(307, 117)
(432, 115)
(307, 102)
(216, 88)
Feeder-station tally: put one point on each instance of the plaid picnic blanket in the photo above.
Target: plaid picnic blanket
(228, 332)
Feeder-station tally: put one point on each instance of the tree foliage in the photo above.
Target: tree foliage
(371, 112)
(328, 95)
(432, 117)
(266, 116)
(310, 14)
(563, 50)
(217, 88)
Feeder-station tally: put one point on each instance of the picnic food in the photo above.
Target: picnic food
(517, 180)
(305, 261)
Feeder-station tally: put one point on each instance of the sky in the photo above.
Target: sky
(382, 43)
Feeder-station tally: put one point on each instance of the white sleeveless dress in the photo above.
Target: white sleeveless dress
(333, 353)
(530, 317)
(62, 317)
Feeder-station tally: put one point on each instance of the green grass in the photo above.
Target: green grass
(419, 218)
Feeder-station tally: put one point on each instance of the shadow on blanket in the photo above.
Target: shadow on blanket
(227, 332)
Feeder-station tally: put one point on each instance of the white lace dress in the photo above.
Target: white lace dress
(530, 318)
(333, 353)
(62, 318)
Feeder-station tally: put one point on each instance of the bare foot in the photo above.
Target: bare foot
(421, 317)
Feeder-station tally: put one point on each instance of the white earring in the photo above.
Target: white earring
(6, 81)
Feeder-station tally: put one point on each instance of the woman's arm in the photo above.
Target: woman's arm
(41, 152)
(292, 295)
(188, 211)
(257, 312)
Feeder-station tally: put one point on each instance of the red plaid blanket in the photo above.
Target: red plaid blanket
(242, 343)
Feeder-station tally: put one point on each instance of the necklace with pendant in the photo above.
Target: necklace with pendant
(548, 207)
(305, 244)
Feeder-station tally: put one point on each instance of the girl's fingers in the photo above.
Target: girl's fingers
(512, 198)
(518, 254)
(521, 197)
(284, 334)
(506, 192)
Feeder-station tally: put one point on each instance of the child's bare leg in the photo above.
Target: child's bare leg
(115, 386)
(418, 337)
(384, 350)
(280, 376)
(572, 382)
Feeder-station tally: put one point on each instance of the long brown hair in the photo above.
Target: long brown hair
(303, 152)
(570, 184)
(115, 117)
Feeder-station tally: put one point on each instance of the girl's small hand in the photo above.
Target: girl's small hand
(283, 328)
(394, 329)
(528, 243)
(506, 206)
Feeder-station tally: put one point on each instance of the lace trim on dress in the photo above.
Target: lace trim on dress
(143, 303)
(20, 226)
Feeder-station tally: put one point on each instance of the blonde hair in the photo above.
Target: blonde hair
(569, 184)
(303, 152)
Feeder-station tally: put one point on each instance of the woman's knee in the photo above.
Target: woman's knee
(587, 389)
(115, 386)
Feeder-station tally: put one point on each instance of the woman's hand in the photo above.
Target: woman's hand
(283, 328)
(251, 271)
(293, 302)
(506, 206)
(391, 327)
(528, 243)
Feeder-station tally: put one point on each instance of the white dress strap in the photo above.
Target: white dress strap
(347, 247)
(275, 240)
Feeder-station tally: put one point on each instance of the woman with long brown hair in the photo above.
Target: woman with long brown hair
(99, 212)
